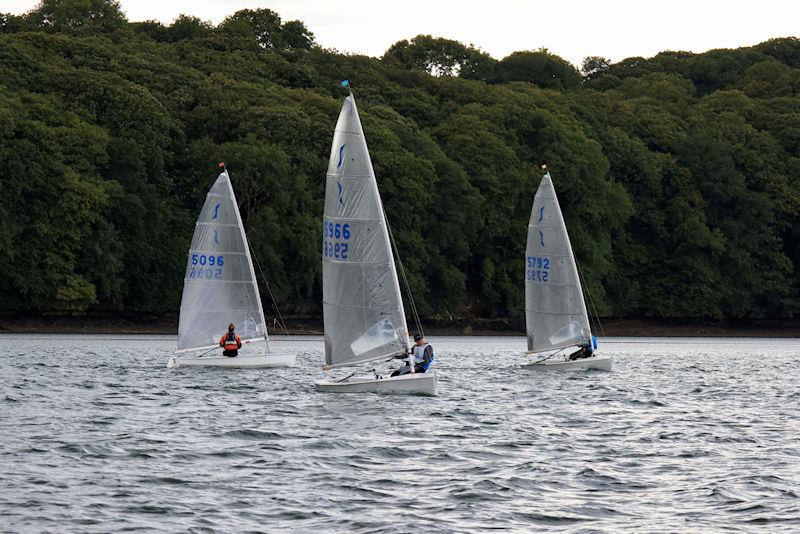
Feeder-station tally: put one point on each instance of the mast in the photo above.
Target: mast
(386, 230)
(263, 320)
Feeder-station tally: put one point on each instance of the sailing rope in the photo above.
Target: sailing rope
(591, 301)
(403, 276)
(549, 356)
(281, 323)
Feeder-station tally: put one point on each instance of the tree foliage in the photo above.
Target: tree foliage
(677, 175)
(77, 15)
(540, 68)
(441, 57)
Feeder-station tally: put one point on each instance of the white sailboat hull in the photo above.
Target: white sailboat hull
(247, 361)
(410, 384)
(600, 363)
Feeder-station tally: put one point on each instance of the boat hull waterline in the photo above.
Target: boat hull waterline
(248, 361)
(599, 363)
(411, 384)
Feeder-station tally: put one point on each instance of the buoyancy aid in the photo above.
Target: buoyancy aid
(419, 356)
(230, 341)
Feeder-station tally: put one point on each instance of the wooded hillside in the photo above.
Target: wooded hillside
(678, 175)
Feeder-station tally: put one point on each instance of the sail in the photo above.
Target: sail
(555, 312)
(362, 307)
(220, 285)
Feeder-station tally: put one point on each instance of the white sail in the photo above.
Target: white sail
(220, 285)
(555, 312)
(362, 307)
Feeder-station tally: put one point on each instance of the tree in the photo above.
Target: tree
(539, 68)
(187, 27)
(265, 27)
(785, 49)
(12, 23)
(594, 65)
(71, 15)
(440, 57)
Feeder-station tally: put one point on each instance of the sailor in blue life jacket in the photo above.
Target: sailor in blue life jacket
(584, 352)
(422, 352)
(230, 342)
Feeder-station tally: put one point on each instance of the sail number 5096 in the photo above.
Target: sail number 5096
(202, 259)
(335, 240)
(537, 269)
(207, 267)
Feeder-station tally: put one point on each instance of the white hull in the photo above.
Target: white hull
(246, 361)
(600, 363)
(411, 384)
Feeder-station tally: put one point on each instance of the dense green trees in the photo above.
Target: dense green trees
(678, 175)
(441, 57)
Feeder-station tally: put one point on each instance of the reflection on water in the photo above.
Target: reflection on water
(685, 434)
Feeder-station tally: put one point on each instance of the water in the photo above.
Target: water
(685, 435)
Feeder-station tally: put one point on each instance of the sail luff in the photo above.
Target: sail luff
(384, 220)
(249, 259)
(574, 263)
(555, 310)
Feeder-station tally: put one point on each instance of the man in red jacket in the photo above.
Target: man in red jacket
(230, 342)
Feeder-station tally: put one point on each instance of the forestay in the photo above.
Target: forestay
(555, 312)
(220, 285)
(362, 306)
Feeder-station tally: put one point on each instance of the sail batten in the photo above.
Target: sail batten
(542, 312)
(362, 307)
(555, 311)
(198, 223)
(220, 285)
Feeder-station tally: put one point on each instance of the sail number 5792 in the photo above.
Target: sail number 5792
(537, 269)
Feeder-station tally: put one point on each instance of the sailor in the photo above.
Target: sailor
(584, 352)
(230, 342)
(422, 353)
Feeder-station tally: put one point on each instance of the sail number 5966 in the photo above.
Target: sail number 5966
(335, 240)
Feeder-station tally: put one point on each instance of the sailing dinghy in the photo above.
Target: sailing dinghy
(555, 311)
(220, 288)
(363, 311)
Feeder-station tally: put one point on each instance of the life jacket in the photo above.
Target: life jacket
(419, 356)
(230, 341)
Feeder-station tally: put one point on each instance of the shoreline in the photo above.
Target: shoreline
(168, 325)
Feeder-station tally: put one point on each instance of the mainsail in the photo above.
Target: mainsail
(555, 312)
(362, 307)
(220, 284)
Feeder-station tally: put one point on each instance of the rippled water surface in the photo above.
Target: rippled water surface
(684, 435)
